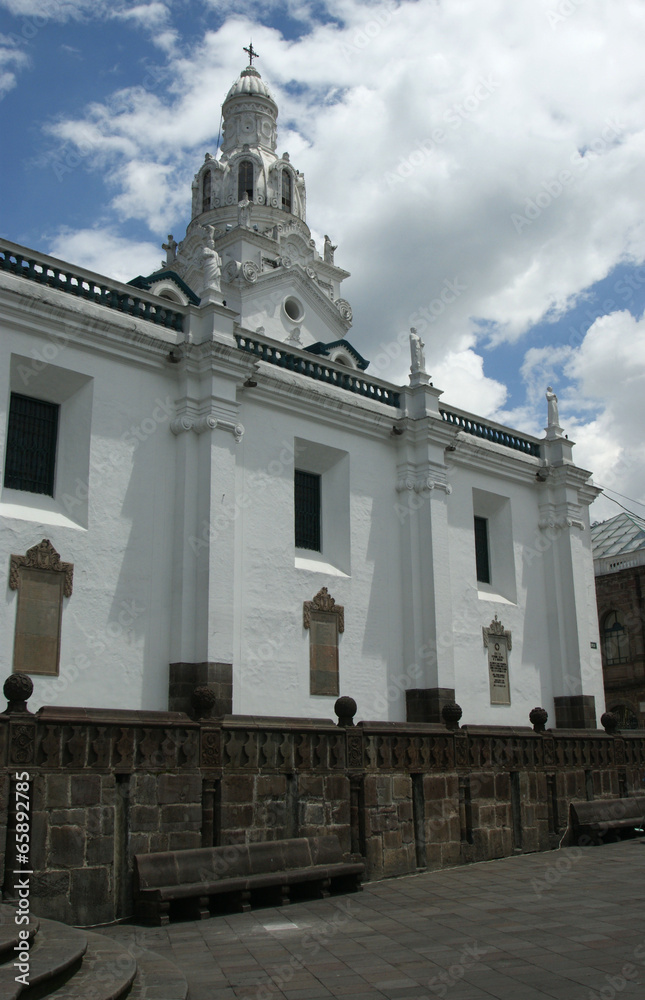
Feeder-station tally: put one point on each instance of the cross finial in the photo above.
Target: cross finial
(252, 53)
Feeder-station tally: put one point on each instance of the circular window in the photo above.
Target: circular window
(294, 309)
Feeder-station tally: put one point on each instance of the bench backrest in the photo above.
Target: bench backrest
(609, 811)
(207, 864)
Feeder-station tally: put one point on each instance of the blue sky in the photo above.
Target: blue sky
(494, 149)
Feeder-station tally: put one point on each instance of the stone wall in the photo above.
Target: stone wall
(106, 785)
(624, 592)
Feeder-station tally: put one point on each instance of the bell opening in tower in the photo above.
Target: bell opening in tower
(245, 180)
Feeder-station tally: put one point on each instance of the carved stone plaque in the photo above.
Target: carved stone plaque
(500, 690)
(323, 653)
(38, 621)
(498, 641)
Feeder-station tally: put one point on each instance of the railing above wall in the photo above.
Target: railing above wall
(491, 432)
(312, 368)
(44, 273)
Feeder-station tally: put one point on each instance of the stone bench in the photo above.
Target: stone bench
(192, 877)
(592, 820)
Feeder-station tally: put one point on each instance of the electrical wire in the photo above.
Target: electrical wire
(623, 495)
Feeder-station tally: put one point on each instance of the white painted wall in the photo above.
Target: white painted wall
(146, 595)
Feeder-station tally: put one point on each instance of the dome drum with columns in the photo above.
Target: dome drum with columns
(248, 243)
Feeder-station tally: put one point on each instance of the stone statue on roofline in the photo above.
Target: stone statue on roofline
(244, 212)
(417, 354)
(211, 263)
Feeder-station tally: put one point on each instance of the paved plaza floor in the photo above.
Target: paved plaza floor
(567, 924)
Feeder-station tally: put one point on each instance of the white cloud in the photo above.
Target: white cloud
(489, 146)
(105, 252)
(609, 373)
(11, 59)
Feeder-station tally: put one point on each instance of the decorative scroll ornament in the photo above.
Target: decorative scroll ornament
(496, 628)
(42, 556)
(323, 602)
(250, 271)
(344, 309)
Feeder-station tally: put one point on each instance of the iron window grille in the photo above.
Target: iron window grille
(482, 554)
(31, 445)
(286, 191)
(615, 640)
(245, 180)
(307, 510)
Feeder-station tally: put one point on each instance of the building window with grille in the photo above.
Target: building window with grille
(245, 180)
(615, 640)
(31, 445)
(482, 553)
(206, 191)
(286, 191)
(307, 510)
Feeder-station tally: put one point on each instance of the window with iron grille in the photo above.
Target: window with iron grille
(245, 180)
(615, 640)
(307, 510)
(206, 191)
(286, 191)
(31, 445)
(482, 555)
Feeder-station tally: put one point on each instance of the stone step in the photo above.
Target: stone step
(107, 971)
(56, 950)
(9, 931)
(157, 978)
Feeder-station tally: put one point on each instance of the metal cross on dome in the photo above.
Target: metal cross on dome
(252, 53)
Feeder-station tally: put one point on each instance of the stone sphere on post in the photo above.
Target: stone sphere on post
(17, 689)
(609, 722)
(538, 718)
(203, 699)
(345, 708)
(451, 714)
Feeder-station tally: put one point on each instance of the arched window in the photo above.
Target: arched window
(245, 180)
(286, 191)
(206, 191)
(615, 640)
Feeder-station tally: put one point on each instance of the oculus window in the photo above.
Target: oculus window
(32, 434)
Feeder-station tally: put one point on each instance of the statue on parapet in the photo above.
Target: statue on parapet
(171, 249)
(244, 212)
(553, 417)
(212, 262)
(328, 251)
(417, 354)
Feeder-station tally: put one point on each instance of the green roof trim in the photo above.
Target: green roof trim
(324, 349)
(146, 282)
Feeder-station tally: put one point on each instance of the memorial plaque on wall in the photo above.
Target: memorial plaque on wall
(38, 622)
(500, 691)
(42, 581)
(323, 654)
(498, 641)
(324, 619)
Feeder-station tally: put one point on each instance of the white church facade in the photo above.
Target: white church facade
(204, 484)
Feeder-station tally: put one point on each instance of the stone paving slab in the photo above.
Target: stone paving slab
(563, 925)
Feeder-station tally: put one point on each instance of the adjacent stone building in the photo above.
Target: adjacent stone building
(619, 561)
(203, 484)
